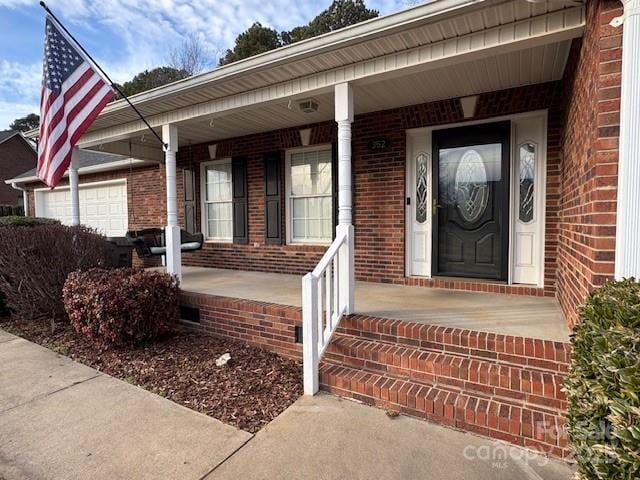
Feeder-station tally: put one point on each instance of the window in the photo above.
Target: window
(309, 202)
(527, 154)
(217, 200)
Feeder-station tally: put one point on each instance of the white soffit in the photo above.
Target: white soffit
(507, 27)
(525, 67)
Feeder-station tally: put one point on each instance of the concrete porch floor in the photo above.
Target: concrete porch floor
(508, 314)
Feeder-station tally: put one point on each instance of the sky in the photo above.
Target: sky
(128, 36)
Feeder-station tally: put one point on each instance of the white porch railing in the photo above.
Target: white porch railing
(323, 305)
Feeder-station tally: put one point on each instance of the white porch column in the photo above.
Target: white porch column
(628, 217)
(74, 182)
(344, 118)
(172, 230)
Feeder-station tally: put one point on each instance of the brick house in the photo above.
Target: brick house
(16, 156)
(445, 179)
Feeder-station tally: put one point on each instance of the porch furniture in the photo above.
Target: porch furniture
(121, 252)
(150, 242)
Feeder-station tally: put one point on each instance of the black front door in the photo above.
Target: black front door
(471, 192)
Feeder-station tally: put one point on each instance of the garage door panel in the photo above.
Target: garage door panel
(103, 207)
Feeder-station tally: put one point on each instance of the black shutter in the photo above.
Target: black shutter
(334, 186)
(272, 199)
(240, 220)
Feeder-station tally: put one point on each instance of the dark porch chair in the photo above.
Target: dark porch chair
(150, 242)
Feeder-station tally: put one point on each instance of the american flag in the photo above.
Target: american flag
(73, 94)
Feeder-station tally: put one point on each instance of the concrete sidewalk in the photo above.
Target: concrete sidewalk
(325, 437)
(62, 420)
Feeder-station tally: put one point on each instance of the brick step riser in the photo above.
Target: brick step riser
(522, 426)
(543, 389)
(529, 352)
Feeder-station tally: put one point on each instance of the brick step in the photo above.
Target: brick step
(507, 349)
(519, 425)
(527, 386)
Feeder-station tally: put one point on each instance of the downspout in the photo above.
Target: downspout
(25, 197)
(627, 263)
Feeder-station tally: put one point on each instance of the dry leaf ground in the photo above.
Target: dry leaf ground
(250, 391)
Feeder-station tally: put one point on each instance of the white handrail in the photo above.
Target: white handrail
(329, 254)
(323, 305)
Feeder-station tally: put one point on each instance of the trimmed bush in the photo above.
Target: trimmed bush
(603, 385)
(15, 221)
(35, 262)
(121, 307)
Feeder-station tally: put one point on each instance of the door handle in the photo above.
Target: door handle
(436, 206)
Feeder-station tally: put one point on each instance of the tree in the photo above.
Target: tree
(149, 79)
(26, 123)
(340, 14)
(257, 39)
(190, 56)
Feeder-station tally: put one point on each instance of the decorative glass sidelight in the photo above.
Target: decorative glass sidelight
(471, 186)
(527, 156)
(422, 187)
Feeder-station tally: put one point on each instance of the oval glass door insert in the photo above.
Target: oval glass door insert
(471, 186)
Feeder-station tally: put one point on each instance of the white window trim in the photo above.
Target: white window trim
(288, 198)
(204, 224)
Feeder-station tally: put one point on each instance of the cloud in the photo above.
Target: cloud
(128, 36)
(25, 81)
(10, 111)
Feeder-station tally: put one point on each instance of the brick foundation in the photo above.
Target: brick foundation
(501, 386)
(265, 325)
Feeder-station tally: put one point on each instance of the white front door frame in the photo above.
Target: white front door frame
(418, 142)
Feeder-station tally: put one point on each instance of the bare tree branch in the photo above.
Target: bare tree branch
(190, 56)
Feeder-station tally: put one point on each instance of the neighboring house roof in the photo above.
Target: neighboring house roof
(89, 161)
(7, 134)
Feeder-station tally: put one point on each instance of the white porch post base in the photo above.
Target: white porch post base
(74, 188)
(172, 239)
(347, 270)
(310, 355)
(172, 230)
(628, 215)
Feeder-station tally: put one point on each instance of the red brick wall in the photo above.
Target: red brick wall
(590, 157)
(265, 325)
(16, 157)
(379, 188)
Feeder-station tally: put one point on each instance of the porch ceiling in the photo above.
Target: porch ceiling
(539, 64)
(428, 24)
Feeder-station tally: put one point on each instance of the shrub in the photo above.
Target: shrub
(121, 307)
(4, 310)
(14, 221)
(35, 262)
(603, 385)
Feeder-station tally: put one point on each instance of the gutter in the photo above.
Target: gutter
(104, 167)
(25, 198)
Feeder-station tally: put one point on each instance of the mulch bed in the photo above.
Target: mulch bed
(250, 391)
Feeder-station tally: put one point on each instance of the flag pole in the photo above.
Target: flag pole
(111, 82)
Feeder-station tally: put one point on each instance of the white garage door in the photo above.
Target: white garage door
(102, 206)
